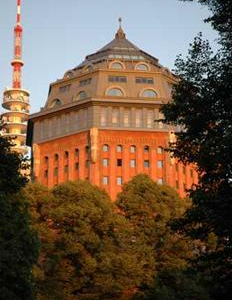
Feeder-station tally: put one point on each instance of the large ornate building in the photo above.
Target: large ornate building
(101, 122)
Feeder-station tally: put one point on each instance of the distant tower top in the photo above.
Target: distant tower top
(120, 33)
(15, 99)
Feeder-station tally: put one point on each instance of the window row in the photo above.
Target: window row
(119, 148)
(149, 118)
(113, 92)
(119, 180)
(105, 148)
(120, 66)
(105, 163)
(117, 92)
(133, 163)
(143, 80)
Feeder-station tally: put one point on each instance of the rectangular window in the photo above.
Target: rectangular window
(144, 80)
(105, 162)
(146, 163)
(119, 162)
(103, 116)
(150, 119)
(85, 82)
(77, 166)
(105, 180)
(126, 119)
(46, 173)
(160, 181)
(138, 118)
(64, 88)
(160, 164)
(115, 115)
(117, 79)
(119, 180)
(133, 163)
(177, 184)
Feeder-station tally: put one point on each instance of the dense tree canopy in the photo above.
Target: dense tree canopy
(202, 106)
(150, 208)
(87, 250)
(18, 243)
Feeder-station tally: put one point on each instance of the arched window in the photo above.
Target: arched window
(105, 148)
(159, 150)
(114, 92)
(56, 103)
(87, 149)
(80, 96)
(141, 67)
(56, 157)
(119, 148)
(88, 68)
(149, 93)
(132, 148)
(117, 65)
(66, 154)
(146, 149)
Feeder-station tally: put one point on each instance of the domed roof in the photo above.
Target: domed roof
(119, 48)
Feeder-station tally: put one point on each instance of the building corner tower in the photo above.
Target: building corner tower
(15, 98)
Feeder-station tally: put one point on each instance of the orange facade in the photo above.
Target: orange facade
(120, 156)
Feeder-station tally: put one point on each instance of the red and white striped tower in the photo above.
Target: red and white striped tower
(16, 99)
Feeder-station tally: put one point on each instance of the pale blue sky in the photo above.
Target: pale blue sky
(58, 34)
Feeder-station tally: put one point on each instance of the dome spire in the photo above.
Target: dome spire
(120, 33)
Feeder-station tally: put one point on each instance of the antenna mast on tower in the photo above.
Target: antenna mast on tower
(17, 62)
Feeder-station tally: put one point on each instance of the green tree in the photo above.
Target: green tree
(150, 208)
(177, 285)
(202, 106)
(87, 251)
(18, 243)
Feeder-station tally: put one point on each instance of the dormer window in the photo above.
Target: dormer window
(88, 68)
(142, 67)
(117, 65)
(56, 103)
(69, 74)
(115, 92)
(149, 93)
(80, 96)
